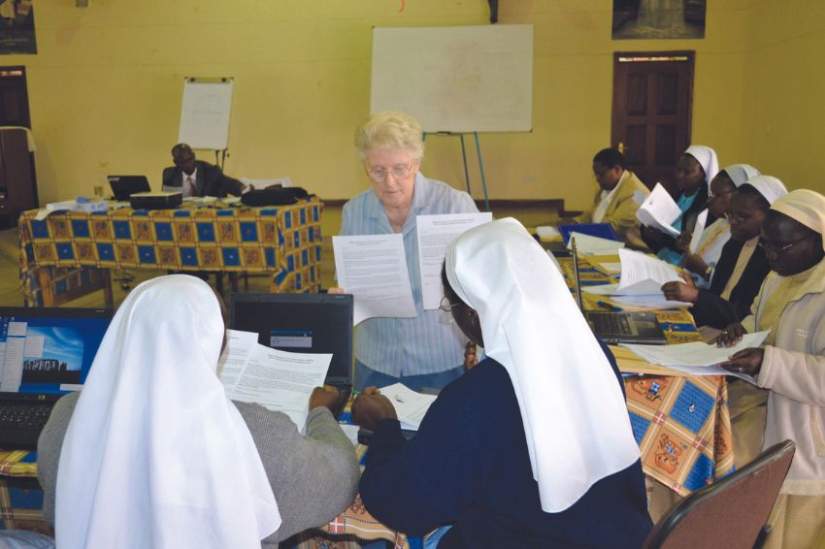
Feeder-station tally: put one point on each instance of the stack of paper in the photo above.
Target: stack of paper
(659, 211)
(593, 245)
(409, 405)
(277, 380)
(698, 358)
(80, 204)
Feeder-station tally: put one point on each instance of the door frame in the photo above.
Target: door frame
(659, 56)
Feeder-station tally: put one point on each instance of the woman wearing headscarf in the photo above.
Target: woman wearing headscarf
(152, 453)
(742, 265)
(791, 364)
(529, 446)
(696, 168)
(717, 233)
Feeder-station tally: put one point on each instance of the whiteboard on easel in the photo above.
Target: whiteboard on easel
(455, 79)
(204, 114)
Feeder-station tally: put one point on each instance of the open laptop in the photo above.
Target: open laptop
(124, 186)
(301, 323)
(622, 326)
(44, 353)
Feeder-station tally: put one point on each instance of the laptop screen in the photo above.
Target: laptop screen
(123, 186)
(300, 323)
(48, 350)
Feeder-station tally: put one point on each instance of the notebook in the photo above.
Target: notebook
(44, 354)
(301, 323)
(621, 326)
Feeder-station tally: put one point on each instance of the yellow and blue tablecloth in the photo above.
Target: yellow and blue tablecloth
(283, 240)
(681, 423)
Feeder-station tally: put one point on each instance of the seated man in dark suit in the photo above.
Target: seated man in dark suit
(197, 178)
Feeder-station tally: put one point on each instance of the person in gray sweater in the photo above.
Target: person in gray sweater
(153, 454)
(314, 477)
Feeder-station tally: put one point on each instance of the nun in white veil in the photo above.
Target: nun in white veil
(155, 454)
(533, 447)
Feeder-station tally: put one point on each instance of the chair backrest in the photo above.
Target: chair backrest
(728, 514)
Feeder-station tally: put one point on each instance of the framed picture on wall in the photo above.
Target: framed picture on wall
(17, 26)
(658, 19)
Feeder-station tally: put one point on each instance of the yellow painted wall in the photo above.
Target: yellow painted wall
(785, 97)
(105, 88)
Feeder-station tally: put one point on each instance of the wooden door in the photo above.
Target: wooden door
(652, 104)
(14, 99)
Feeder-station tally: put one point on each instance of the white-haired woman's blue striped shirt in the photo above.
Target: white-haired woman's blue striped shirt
(425, 344)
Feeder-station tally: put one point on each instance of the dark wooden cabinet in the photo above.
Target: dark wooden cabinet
(18, 187)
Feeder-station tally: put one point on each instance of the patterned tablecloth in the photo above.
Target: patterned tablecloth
(283, 240)
(682, 423)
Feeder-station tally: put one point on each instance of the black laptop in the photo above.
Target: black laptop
(124, 186)
(301, 323)
(619, 326)
(44, 354)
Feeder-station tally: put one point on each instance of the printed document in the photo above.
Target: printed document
(698, 229)
(277, 380)
(697, 355)
(643, 274)
(659, 211)
(435, 233)
(593, 245)
(410, 407)
(373, 268)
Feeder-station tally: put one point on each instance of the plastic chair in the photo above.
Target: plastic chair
(730, 514)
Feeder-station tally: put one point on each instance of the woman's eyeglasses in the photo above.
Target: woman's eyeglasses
(399, 171)
(778, 248)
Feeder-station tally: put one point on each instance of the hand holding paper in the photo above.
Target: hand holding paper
(659, 211)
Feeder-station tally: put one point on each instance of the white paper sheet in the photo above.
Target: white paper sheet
(548, 232)
(280, 381)
(698, 229)
(647, 302)
(659, 211)
(351, 431)
(409, 405)
(435, 233)
(373, 269)
(239, 346)
(643, 274)
(611, 267)
(695, 355)
(593, 245)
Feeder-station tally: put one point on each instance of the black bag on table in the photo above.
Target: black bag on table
(274, 196)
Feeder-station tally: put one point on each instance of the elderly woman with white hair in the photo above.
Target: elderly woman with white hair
(424, 351)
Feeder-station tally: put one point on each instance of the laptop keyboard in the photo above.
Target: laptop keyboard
(21, 423)
(614, 324)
